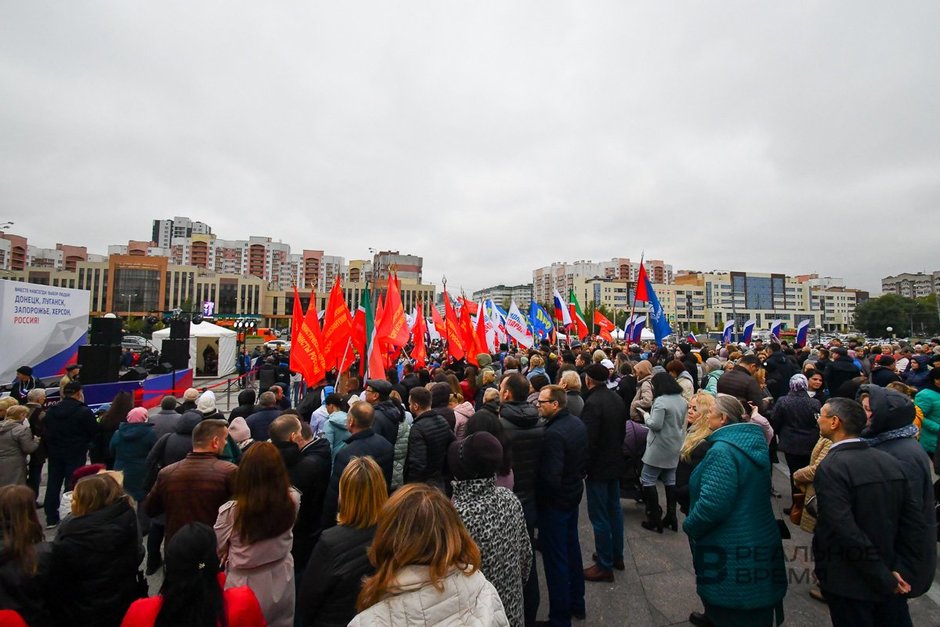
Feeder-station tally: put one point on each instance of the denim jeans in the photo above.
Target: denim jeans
(650, 474)
(561, 557)
(606, 516)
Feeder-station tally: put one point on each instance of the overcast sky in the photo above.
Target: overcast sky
(488, 137)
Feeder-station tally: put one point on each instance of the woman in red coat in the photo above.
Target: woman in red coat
(192, 588)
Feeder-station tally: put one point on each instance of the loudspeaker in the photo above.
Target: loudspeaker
(100, 364)
(175, 352)
(134, 374)
(179, 329)
(105, 332)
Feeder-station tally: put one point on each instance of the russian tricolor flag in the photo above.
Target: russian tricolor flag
(728, 333)
(775, 328)
(561, 310)
(748, 330)
(802, 331)
(692, 339)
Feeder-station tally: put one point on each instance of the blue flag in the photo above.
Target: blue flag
(540, 320)
(657, 317)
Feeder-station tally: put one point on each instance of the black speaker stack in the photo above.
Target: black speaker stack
(175, 350)
(101, 358)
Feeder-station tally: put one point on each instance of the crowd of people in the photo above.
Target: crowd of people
(425, 495)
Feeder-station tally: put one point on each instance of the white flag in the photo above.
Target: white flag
(518, 327)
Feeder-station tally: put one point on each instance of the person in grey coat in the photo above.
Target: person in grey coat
(16, 442)
(165, 420)
(666, 422)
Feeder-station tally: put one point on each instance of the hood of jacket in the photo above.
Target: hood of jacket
(9, 425)
(520, 414)
(132, 431)
(747, 438)
(246, 397)
(465, 409)
(890, 409)
(188, 422)
(289, 452)
(338, 419)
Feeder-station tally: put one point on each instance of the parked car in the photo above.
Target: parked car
(278, 345)
(135, 342)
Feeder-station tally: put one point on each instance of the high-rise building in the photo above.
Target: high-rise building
(561, 275)
(166, 232)
(912, 285)
(502, 295)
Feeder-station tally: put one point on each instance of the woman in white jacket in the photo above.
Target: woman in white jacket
(427, 567)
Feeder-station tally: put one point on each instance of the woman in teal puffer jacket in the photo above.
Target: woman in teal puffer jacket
(736, 547)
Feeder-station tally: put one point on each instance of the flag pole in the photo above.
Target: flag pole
(339, 375)
(633, 308)
(446, 322)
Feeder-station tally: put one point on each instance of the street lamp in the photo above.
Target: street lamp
(129, 297)
(889, 330)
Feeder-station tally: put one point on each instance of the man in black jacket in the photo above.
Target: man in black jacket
(363, 441)
(604, 416)
(525, 431)
(840, 371)
(867, 525)
(261, 420)
(70, 426)
(740, 383)
(558, 495)
(428, 441)
(891, 429)
(388, 415)
(779, 369)
(310, 473)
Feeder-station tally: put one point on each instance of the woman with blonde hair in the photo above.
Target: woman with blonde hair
(16, 442)
(95, 555)
(694, 446)
(24, 557)
(255, 532)
(333, 579)
(427, 567)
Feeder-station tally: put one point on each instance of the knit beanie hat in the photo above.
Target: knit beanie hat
(239, 430)
(477, 456)
(191, 394)
(206, 402)
(138, 414)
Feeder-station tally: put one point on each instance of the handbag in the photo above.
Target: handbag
(796, 512)
(810, 506)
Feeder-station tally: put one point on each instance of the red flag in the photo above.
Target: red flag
(439, 325)
(337, 327)
(309, 346)
(393, 329)
(468, 336)
(483, 346)
(471, 306)
(641, 282)
(420, 352)
(605, 325)
(297, 320)
(452, 331)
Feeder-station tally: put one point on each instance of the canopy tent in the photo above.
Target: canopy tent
(208, 344)
(646, 334)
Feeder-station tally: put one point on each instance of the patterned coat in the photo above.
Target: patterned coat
(804, 480)
(736, 547)
(494, 518)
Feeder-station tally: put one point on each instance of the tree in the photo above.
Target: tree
(906, 316)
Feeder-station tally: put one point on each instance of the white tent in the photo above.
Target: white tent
(204, 339)
(646, 334)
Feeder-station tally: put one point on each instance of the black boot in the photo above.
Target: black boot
(654, 512)
(670, 520)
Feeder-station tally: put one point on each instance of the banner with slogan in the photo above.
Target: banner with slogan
(40, 326)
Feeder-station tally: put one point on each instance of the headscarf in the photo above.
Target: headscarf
(643, 369)
(206, 403)
(798, 383)
(138, 414)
